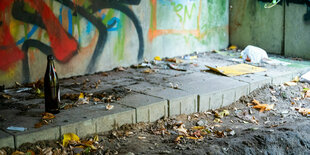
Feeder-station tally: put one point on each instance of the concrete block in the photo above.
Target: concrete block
(82, 128)
(278, 77)
(109, 122)
(179, 101)
(31, 136)
(255, 81)
(6, 140)
(148, 108)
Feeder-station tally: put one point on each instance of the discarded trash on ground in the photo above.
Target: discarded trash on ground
(254, 54)
(303, 111)
(174, 67)
(236, 70)
(14, 128)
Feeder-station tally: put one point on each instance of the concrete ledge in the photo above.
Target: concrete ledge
(6, 140)
(148, 108)
(44, 133)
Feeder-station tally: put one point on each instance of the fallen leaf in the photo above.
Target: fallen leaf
(296, 79)
(303, 111)
(262, 107)
(148, 70)
(157, 58)
(96, 99)
(181, 130)
(293, 103)
(290, 83)
(198, 127)
(81, 96)
(141, 138)
(6, 96)
(96, 138)
(120, 69)
(219, 134)
(194, 138)
(255, 102)
(38, 125)
(30, 152)
(217, 120)
(3, 152)
(178, 139)
(109, 107)
(48, 116)
(18, 84)
(39, 93)
(68, 138)
(232, 47)
(18, 153)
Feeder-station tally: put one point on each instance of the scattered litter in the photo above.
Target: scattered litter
(82, 100)
(109, 107)
(22, 90)
(120, 69)
(217, 120)
(254, 54)
(236, 70)
(18, 84)
(5, 96)
(174, 67)
(14, 128)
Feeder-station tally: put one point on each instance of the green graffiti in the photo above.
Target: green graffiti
(119, 47)
(28, 8)
(187, 14)
(108, 16)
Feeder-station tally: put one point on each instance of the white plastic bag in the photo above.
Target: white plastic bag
(305, 77)
(255, 54)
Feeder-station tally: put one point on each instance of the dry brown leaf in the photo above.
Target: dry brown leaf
(6, 96)
(198, 127)
(255, 102)
(264, 107)
(148, 70)
(48, 116)
(217, 120)
(18, 153)
(178, 139)
(181, 130)
(96, 99)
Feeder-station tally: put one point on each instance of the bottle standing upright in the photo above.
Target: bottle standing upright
(51, 87)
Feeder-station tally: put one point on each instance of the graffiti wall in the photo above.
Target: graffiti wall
(88, 36)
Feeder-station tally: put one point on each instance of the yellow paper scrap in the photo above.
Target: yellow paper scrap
(236, 70)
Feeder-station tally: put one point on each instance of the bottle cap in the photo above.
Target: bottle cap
(50, 57)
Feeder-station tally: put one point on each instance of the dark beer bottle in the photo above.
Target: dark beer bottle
(51, 87)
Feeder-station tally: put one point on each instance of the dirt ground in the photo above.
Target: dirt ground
(237, 129)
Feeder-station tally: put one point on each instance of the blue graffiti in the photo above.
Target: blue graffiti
(32, 31)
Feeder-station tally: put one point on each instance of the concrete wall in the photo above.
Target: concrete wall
(88, 36)
(280, 30)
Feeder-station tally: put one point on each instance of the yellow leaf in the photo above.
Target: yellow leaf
(198, 127)
(157, 58)
(191, 137)
(217, 120)
(69, 137)
(81, 96)
(296, 79)
(232, 47)
(109, 107)
(264, 107)
(96, 138)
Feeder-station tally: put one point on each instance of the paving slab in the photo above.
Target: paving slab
(6, 140)
(148, 108)
(215, 91)
(179, 101)
(255, 81)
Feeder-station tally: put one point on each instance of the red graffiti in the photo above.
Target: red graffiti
(9, 52)
(63, 45)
